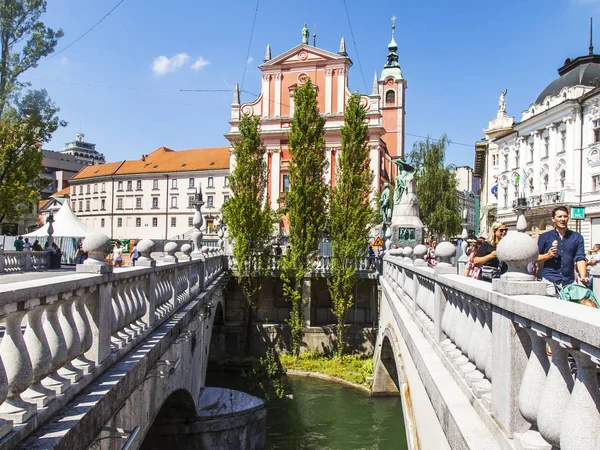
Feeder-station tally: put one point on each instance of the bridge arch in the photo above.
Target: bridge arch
(388, 376)
(178, 409)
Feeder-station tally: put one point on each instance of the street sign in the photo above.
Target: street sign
(378, 242)
(578, 212)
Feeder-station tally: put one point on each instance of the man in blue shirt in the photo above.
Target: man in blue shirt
(560, 249)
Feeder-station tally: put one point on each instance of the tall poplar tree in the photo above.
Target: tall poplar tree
(351, 215)
(305, 203)
(247, 215)
(436, 187)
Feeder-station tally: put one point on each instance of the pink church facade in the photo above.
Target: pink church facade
(329, 72)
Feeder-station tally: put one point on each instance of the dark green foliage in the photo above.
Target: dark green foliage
(306, 201)
(350, 214)
(436, 187)
(266, 374)
(247, 215)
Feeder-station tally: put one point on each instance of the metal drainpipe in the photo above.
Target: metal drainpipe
(167, 210)
(580, 160)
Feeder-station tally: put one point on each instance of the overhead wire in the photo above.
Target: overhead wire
(250, 43)
(84, 34)
(355, 47)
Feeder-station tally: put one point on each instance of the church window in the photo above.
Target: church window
(286, 183)
(390, 97)
(562, 178)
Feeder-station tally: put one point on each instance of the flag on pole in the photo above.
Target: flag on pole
(495, 189)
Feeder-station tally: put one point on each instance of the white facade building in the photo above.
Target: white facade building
(467, 186)
(151, 197)
(552, 156)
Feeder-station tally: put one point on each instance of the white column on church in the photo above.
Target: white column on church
(552, 158)
(275, 177)
(572, 143)
(375, 165)
(291, 104)
(277, 77)
(328, 93)
(265, 92)
(537, 158)
(341, 89)
(327, 173)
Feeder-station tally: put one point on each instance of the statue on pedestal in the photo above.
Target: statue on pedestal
(305, 34)
(501, 103)
(384, 201)
(404, 170)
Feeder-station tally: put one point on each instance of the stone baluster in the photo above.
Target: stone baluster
(483, 337)
(116, 340)
(150, 299)
(141, 301)
(120, 296)
(130, 308)
(58, 347)
(5, 425)
(581, 418)
(19, 371)
(41, 359)
(556, 393)
(534, 376)
(83, 327)
(72, 342)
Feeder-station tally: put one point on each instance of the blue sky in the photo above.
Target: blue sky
(457, 57)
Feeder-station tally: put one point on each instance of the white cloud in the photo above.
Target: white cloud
(163, 65)
(200, 63)
(250, 60)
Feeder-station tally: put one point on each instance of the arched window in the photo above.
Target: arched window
(531, 184)
(390, 97)
(545, 182)
(562, 177)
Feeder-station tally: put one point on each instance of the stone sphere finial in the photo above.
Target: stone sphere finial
(170, 249)
(445, 251)
(97, 245)
(407, 253)
(186, 249)
(419, 253)
(205, 249)
(395, 252)
(145, 247)
(517, 250)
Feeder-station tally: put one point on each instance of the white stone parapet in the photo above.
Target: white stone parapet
(509, 354)
(14, 261)
(58, 331)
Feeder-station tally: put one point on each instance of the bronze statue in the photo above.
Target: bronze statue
(384, 201)
(404, 169)
(305, 34)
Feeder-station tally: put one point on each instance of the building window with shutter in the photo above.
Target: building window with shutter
(155, 183)
(138, 185)
(138, 203)
(191, 183)
(119, 203)
(119, 222)
(155, 222)
(209, 201)
(173, 221)
(130, 185)
(154, 202)
(138, 222)
(190, 221)
(102, 223)
(174, 202)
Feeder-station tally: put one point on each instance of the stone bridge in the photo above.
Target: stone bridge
(107, 360)
(481, 369)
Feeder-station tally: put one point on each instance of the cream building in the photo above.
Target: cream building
(552, 156)
(152, 197)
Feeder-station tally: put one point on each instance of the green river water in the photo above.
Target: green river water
(327, 415)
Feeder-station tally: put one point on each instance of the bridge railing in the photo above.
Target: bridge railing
(530, 362)
(58, 330)
(14, 261)
(322, 264)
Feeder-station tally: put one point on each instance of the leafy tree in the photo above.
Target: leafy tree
(247, 215)
(350, 214)
(24, 40)
(23, 130)
(306, 201)
(436, 187)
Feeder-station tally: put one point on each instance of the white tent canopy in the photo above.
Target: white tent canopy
(66, 224)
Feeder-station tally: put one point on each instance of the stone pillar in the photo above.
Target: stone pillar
(97, 245)
(277, 105)
(509, 347)
(150, 314)
(445, 251)
(145, 247)
(99, 307)
(552, 158)
(275, 175)
(266, 94)
(328, 90)
(341, 89)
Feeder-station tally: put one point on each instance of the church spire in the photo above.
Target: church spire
(375, 90)
(392, 58)
(236, 95)
(267, 53)
(342, 51)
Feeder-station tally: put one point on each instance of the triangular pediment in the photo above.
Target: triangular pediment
(302, 54)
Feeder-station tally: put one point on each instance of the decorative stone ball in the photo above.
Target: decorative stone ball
(186, 249)
(419, 251)
(170, 247)
(145, 246)
(445, 251)
(517, 250)
(97, 243)
(205, 249)
(396, 251)
(407, 251)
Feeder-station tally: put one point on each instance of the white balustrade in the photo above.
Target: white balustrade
(57, 332)
(15, 261)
